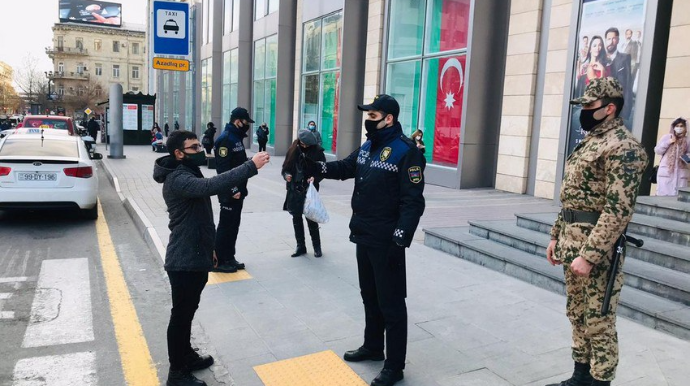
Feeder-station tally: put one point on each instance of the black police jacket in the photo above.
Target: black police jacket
(230, 153)
(388, 199)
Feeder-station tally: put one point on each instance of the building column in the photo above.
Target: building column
(245, 52)
(354, 48)
(217, 68)
(285, 77)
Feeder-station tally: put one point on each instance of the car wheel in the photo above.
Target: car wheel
(90, 214)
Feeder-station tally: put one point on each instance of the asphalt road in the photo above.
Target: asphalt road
(56, 323)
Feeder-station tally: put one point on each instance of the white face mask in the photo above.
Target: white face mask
(419, 138)
(679, 130)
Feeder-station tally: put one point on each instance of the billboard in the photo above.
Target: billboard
(91, 12)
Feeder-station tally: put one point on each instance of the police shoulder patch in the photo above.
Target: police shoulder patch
(415, 174)
(385, 153)
(223, 151)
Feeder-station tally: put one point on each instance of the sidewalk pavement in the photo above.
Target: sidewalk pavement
(468, 325)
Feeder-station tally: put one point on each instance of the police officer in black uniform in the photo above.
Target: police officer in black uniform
(387, 203)
(230, 153)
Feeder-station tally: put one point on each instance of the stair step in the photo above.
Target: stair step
(657, 279)
(684, 194)
(664, 207)
(646, 308)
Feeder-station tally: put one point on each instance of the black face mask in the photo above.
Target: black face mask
(587, 120)
(196, 159)
(371, 126)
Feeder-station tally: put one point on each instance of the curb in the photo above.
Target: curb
(141, 222)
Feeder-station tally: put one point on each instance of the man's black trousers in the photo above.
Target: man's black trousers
(382, 282)
(186, 293)
(228, 228)
(262, 145)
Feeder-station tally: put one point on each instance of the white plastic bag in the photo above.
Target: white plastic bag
(313, 206)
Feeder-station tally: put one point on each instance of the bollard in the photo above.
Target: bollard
(115, 125)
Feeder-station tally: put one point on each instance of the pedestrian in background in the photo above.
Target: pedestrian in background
(387, 202)
(177, 125)
(262, 136)
(189, 255)
(167, 129)
(299, 168)
(157, 138)
(417, 138)
(92, 127)
(311, 126)
(230, 153)
(209, 136)
(598, 195)
(673, 170)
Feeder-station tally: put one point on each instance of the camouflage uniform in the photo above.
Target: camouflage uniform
(602, 175)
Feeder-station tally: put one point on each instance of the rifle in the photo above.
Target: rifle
(618, 249)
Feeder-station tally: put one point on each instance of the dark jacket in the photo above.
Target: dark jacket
(230, 153)
(621, 69)
(388, 199)
(302, 167)
(210, 133)
(188, 196)
(262, 134)
(92, 127)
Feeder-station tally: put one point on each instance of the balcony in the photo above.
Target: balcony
(76, 51)
(69, 75)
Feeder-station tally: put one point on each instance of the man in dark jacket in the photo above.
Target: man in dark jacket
(229, 152)
(92, 128)
(387, 203)
(189, 256)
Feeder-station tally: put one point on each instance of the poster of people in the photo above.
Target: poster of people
(91, 12)
(609, 44)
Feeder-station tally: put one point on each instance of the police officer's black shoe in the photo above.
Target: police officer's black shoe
(197, 362)
(225, 268)
(388, 377)
(183, 378)
(237, 264)
(581, 376)
(363, 354)
(299, 251)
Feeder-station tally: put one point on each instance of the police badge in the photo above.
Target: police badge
(223, 151)
(385, 153)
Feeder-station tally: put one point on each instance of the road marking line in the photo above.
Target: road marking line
(61, 311)
(6, 314)
(57, 370)
(322, 368)
(137, 364)
(13, 279)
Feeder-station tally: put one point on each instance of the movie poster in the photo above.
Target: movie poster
(609, 43)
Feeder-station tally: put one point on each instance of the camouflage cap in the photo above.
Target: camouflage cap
(600, 88)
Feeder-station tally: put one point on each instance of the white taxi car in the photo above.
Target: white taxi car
(46, 168)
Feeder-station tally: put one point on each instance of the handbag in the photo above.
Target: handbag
(655, 171)
(314, 209)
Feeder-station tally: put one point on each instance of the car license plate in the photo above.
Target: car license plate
(37, 176)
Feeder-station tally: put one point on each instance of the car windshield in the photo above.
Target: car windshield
(37, 147)
(51, 123)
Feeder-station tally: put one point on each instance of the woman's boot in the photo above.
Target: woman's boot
(298, 224)
(315, 237)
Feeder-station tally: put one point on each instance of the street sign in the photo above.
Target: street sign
(170, 64)
(170, 28)
(88, 111)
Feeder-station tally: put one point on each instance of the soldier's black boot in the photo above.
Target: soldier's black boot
(601, 383)
(315, 237)
(298, 224)
(581, 376)
(183, 378)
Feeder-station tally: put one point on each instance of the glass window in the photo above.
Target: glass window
(80, 43)
(330, 84)
(97, 45)
(99, 69)
(209, 26)
(189, 98)
(135, 48)
(135, 72)
(235, 15)
(332, 33)
(406, 34)
(226, 84)
(116, 70)
(273, 5)
(116, 46)
(271, 56)
(428, 83)
(227, 16)
(259, 59)
(312, 46)
(204, 21)
(80, 68)
(265, 68)
(34, 147)
(166, 96)
(61, 67)
(60, 41)
(259, 9)
(310, 98)
(206, 90)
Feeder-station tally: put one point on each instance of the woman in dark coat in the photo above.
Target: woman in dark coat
(297, 172)
(209, 135)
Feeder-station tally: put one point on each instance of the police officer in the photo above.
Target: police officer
(230, 153)
(598, 195)
(387, 203)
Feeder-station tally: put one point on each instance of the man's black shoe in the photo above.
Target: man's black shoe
(225, 268)
(237, 264)
(183, 378)
(199, 362)
(363, 354)
(388, 377)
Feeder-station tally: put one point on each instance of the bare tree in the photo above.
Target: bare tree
(85, 95)
(31, 81)
(9, 100)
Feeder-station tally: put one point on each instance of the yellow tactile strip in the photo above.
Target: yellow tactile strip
(217, 277)
(320, 369)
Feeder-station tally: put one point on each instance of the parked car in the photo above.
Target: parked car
(49, 122)
(47, 169)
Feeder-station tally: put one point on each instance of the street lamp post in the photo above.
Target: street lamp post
(50, 97)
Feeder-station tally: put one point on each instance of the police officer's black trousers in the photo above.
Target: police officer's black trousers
(382, 281)
(228, 228)
(186, 293)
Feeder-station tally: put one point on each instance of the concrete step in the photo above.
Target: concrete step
(674, 232)
(646, 308)
(684, 194)
(664, 207)
(658, 280)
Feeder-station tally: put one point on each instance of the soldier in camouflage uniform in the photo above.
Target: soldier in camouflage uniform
(598, 195)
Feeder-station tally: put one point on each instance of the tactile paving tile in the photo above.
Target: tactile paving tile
(218, 277)
(321, 369)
